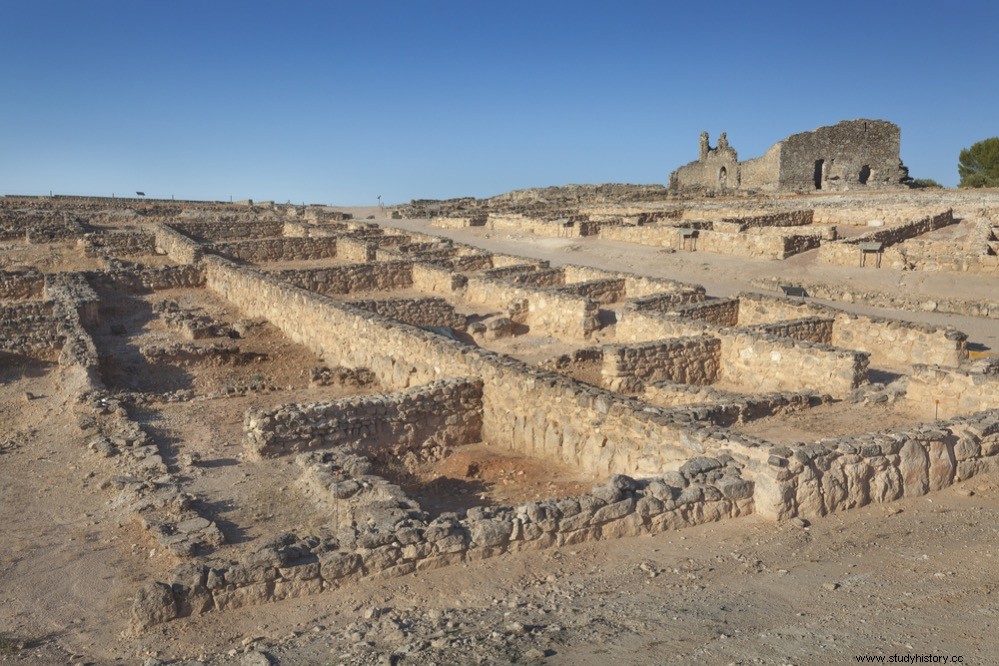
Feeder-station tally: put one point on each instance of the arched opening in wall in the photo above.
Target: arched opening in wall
(817, 176)
(722, 178)
(865, 174)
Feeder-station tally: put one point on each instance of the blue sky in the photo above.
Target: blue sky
(338, 102)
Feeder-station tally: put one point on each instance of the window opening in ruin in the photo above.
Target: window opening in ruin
(722, 178)
(818, 174)
(865, 174)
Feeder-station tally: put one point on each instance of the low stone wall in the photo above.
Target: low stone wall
(687, 360)
(890, 342)
(22, 284)
(703, 490)
(149, 278)
(807, 329)
(717, 311)
(437, 279)
(659, 235)
(641, 325)
(758, 362)
(547, 311)
(847, 252)
(278, 249)
(351, 278)
(935, 392)
(188, 354)
(756, 246)
(524, 408)
(118, 244)
(939, 255)
(440, 414)
(228, 230)
(459, 222)
(605, 292)
(834, 475)
(31, 329)
(504, 272)
(985, 308)
(358, 250)
(424, 312)
(636, 286)
(793, 218)
(727, 408)
(178, 247)
(538, 277)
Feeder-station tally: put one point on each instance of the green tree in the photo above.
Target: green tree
(979, 165)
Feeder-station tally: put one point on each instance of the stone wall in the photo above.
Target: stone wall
(808, 329)
(692, 360)
(847, 252)
(424, 312)
(890, 342)
(792, 218)
(935, 391)
(717, 311)
(440, 414)
(605, 292)
(525, 409)
(229, 230)
(703, 490)
(756, 246)
(31, 329)
(178, 247)
(383, 276)
(895, 300)
(149, 278)
(118, 244)
(547, 311)
(21, 284)
(357, 250)
(761, 363)
(278, 249)
(838, 474)
(636, 286)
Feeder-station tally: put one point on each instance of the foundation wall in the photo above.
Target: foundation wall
(934, 391)
(849, 472)
(889, 342)
(424, 312)
(227, 230)
(21, 285)
(278, 249)
(685, 360)
(762, 363)
(718, 311)
(848, 253)
(439, 414)
(525, 409)
(351, 278)
(807, 329)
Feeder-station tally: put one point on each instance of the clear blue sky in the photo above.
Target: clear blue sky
(340, 102)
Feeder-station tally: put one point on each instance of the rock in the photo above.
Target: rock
(155, 603)
(699, 465)
(255, 658)
(830, 587)
(798, 521)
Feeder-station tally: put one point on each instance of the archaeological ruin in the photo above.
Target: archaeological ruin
(285, 400)
(846, 156)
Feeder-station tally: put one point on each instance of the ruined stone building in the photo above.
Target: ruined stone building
(846, 156)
